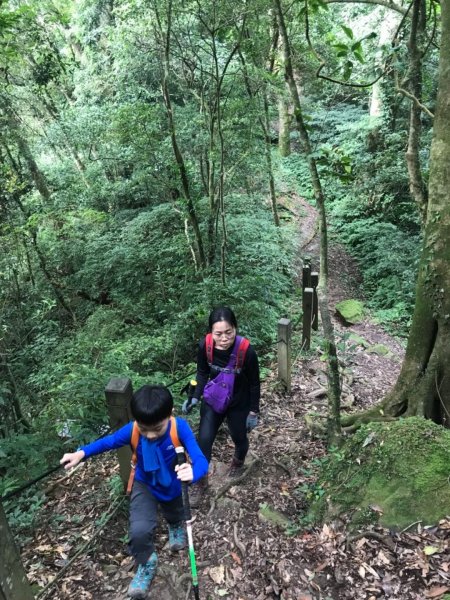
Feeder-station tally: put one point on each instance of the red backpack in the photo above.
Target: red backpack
(241, 352)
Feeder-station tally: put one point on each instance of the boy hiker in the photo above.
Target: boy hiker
(157, 477)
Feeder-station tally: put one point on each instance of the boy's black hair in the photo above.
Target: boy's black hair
(151, 404)
(222, 313)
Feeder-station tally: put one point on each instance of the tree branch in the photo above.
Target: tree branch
(401, 90)
(385, 3)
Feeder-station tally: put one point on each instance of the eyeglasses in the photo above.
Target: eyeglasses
(225, 334)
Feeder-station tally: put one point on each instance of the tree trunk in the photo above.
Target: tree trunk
(268, 153)
(416, 184)
(284, 140)
(334, 387)
(165, 39)
(264, 121)
(423, 386)
(24, 149)
(388, 27)
(13, 580)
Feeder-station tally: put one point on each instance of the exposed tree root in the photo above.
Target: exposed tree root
(232, 482)
(372, 534)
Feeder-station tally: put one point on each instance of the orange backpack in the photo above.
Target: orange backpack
(134, 444)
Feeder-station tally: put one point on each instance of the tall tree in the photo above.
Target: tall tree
(423, 386)
(334, 385)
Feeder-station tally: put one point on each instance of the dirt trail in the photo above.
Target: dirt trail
(244, 552)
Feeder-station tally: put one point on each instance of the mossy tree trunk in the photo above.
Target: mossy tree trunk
(423, 386)
(284, 140)
(415, 50)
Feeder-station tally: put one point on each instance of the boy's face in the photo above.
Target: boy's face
(153, 432)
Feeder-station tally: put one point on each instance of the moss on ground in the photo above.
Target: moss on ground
(396, 473)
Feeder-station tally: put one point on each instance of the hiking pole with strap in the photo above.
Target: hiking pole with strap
(181, 459)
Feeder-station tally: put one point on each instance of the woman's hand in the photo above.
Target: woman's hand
(72, 459)
(184, 472)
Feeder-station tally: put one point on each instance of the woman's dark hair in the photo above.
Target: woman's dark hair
(222, 313)
(151, 404)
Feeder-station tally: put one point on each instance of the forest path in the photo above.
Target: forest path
(369, 373)
(250, 543)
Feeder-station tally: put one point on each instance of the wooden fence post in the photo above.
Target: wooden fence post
(284, 352)
(315, 303)
(13, 580)
(308, 294)
(118, 394)
(306, 276)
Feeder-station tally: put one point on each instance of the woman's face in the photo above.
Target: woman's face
(224, 334)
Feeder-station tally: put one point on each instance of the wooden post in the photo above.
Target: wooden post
(315, 303)
(284, 353)
(306, 276)
(118, 394)
(308, 294)
(13, 580)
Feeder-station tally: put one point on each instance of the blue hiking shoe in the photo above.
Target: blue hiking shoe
(177, 536)
(140, 584)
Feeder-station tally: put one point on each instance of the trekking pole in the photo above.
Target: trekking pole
(181, 459)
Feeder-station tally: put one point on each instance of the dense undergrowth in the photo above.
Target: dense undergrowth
(156, 311)
(362, 163)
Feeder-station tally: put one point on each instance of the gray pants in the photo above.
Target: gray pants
(144, 518)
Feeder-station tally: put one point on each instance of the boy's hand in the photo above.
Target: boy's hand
(184, 472)
(72, 459)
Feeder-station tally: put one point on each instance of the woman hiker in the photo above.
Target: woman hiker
(228, 379)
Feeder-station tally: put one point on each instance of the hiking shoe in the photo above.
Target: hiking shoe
(140, 584)
(236, 469)
(197, 491)
(177, 536)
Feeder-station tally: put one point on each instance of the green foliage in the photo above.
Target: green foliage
(364, 175)
(23, 513)
(26, 456)
(388, 259)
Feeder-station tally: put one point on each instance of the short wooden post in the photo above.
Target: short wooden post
(306, 276)
(315, 303)
(284, 352)
(13, 580)
(308, 294)
(118, 394)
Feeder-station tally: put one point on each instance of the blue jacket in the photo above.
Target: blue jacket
(122, 437)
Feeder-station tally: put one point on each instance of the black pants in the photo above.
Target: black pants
(144, 518)
(210, 422)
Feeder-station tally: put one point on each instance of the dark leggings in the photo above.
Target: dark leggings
(210, 422)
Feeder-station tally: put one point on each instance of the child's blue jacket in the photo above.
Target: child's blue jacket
(122, 437)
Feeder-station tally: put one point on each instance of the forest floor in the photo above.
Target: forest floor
(244, 551)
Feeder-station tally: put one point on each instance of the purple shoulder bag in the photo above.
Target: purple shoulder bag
(219, 391)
